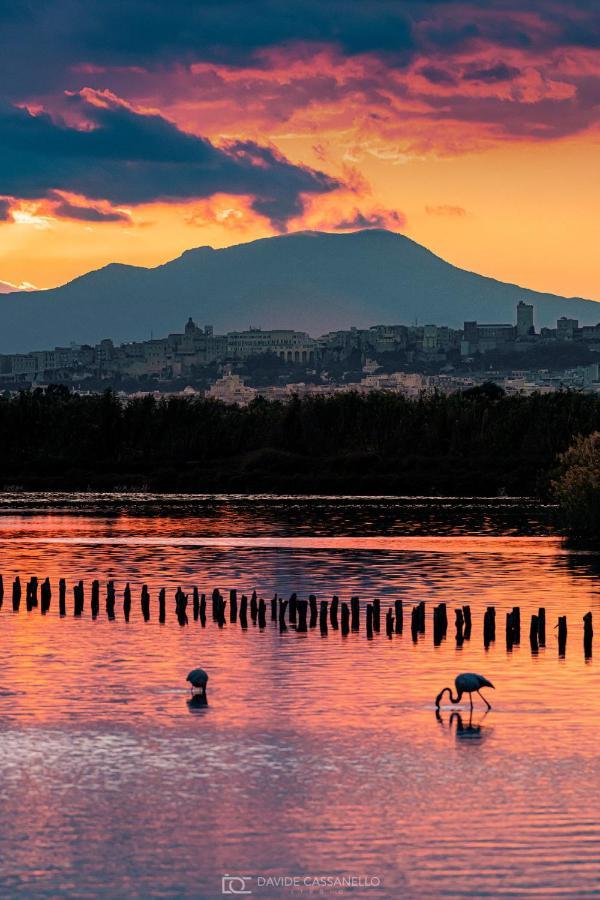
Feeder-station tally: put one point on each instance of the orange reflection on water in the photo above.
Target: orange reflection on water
(316, 753)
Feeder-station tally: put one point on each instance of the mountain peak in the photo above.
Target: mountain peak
(312, 281)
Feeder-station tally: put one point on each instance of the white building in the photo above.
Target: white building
(231, 389)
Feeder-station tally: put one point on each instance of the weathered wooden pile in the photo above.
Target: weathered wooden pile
(300, 615)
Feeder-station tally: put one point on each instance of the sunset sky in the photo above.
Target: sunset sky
(131, 130)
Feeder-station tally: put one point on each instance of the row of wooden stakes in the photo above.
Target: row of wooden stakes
(301, 614)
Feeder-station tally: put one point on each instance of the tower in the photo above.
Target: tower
(524, 319)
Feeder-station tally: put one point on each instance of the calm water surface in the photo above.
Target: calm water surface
(317, 755)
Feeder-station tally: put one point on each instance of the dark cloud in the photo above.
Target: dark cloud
(4, 210)
(380, 218)
(437, 75)
(135, 46)
(67, 210)
(491, 74)
(127, 158)
(42, 43)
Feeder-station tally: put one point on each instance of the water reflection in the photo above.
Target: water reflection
(318, 751)
(197, 703)
(465, 727)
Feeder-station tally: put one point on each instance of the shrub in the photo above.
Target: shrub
(577, 489)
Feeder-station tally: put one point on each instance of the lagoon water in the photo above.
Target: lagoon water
(317, 756)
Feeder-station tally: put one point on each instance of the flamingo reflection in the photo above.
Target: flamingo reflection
(197, 702)
(464, 731)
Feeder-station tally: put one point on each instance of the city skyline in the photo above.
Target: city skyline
(471, 129)
(197, 348)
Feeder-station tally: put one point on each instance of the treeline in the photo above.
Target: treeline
(478, 442)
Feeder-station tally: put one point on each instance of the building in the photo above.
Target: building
(483, 338)
(525, 326)
(231, 389)
(289, 345)
(566, 329)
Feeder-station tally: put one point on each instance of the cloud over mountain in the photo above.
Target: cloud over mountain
(127, 157)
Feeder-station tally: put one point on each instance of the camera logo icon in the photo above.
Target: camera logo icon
(235, 884)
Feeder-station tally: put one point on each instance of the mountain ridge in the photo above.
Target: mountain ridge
(311, 281)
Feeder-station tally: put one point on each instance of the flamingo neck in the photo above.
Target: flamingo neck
(452, 699)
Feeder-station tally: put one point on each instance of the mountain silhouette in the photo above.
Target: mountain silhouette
(312, 281)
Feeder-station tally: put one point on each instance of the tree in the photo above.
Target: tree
(577, 489)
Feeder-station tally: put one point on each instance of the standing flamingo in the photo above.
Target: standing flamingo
(466, 683)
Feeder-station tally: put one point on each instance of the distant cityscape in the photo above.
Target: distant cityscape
(239, 366)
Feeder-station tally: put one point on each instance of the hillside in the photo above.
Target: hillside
(312, 281)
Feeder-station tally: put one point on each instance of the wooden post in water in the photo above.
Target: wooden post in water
(369, 621)
(244, 611)
(262, 613)
(355, 613)
(389, 623)
(62, 597)
(314, 612)
(283, 604)
(516, 625)
(542, 626)
(221, 611)
(489, 626)
(376, 615)
(16, 594)
(588, 635)
(274, 608)
(399, 615)
(292, 610)
(203, 610)
(302, 612)
(534, 633)
(510, 631)
(78, 601)
(421, 617)
(253, 607)
(46, 596)
(127, 602)
(111, 599)
(323, 616)
(439, 619)
(195, 604)
(468, 624)
(562, 635)
(414, 623)
(345, 619)
(333, 612)
(145, 602)
(216, 605)
(1, 591)
(460, 621)
(181, 602)
(443, 616)
(233, 605)
(95, 598)
(162, 606)
(34, 591)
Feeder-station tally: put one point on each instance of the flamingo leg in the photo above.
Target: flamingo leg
(489, 705)
(471, 700)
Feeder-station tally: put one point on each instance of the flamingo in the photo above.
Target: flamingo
(466, 683)
(198, 678)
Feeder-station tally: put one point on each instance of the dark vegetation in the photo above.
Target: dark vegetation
(480, 442)
(577, 487)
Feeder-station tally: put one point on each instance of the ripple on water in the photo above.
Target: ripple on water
(316, 754)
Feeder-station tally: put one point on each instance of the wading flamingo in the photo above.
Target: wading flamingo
(466, 683)
(198, 679)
